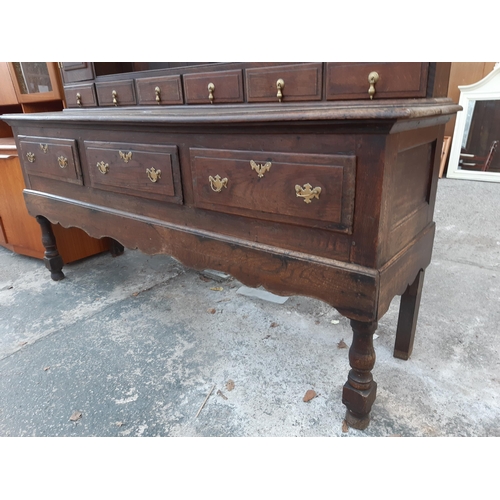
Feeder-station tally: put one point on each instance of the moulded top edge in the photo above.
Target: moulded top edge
(245, 113)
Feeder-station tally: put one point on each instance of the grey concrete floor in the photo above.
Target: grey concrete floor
(132, 344)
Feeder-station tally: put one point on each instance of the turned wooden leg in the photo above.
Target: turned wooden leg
(115, 248)
(53, 261)
(360, 389)
(408, 314)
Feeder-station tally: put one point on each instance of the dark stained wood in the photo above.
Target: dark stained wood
(76, 71)
(170, 91)
(353, 289)
(52, 158)
(115, 248)
(350, 80)
(124, 93)
(320, 242)
(439, 76)
(228, 87)
(274, 192)
(360, 390)
(301, 83)
(366, 238)
(127, 167)
(400, 271)
(53, 261)
(408, 315)
(88, 97)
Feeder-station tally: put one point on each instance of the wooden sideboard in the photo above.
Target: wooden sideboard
(314, 179)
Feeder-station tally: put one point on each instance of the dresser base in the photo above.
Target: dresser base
(356, 292)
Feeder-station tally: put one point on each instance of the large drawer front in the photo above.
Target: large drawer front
(51, 158)
(144, 170)
(289, 187)
(395, 80)
(300, 82)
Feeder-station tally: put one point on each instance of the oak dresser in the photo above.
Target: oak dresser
(316, 179)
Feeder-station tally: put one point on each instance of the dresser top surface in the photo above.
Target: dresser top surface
(391, 110)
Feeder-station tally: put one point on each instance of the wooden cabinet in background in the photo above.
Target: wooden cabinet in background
(37, 86)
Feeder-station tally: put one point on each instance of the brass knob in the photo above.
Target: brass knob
(78, 99)
(157, 95)
(44, 147)
(372, 79)
(279, 85)
(211, 89)
(30, 156)
(115, 97)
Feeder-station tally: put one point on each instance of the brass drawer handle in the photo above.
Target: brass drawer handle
(126, 157)
(154, 175)
(31, 157)
(307, 192)
(63, 162)
(260, 169)
(280, 85)
(103, 167)
(78, 99)
(157, 94)
(115, 97)
(217, 183)
(372, 79)
(211, 90)
(44, 147)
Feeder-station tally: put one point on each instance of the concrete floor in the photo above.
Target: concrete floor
(131, 343)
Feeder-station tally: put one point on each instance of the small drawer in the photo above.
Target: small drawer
(144, 170)
(51, 158)
(117, 93)
(80, 96)
(299, 82)
(225, 87)
(393, 80)
(159, 90)
(289, 187)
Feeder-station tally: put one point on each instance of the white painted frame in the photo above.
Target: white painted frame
(488, 89)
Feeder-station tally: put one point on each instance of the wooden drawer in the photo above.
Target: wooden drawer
(122, 91)
(304, 189)
(302, 82)
(144, 170)
(52, 158)
(159, 90)
(395, 80)
(227, 87)
(80, 96)
(77, 71)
